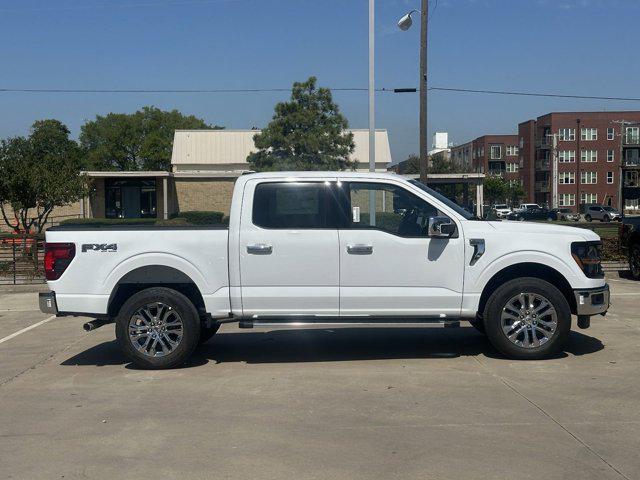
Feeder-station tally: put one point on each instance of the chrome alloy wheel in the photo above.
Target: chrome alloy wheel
(529, 320)
(155, 329)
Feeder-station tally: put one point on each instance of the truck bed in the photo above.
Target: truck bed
(107, 256)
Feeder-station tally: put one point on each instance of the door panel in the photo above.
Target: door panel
(406, 272)
(289, 250)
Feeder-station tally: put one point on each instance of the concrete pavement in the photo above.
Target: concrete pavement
(320, 404)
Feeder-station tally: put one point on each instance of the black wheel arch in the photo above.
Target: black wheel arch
(535, 270)
(153, 276)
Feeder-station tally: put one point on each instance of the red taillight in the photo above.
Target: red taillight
(57, 257)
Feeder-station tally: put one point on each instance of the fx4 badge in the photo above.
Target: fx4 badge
(100, 247)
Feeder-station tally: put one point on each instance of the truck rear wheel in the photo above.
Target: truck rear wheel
(158, 328)
(527, 318)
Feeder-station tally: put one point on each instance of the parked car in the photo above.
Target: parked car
(527, 206)
(502, 210)
(602, 213)
(564, 214)
(629, 236)
(532, 213)
(302, 248)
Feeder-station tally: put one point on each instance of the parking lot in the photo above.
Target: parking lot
(428, 403)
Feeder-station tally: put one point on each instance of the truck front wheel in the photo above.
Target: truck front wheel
(527, 318)
(158, 328)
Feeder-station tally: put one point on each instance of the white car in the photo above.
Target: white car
(528, 206)
(315, 248)
(502, 210)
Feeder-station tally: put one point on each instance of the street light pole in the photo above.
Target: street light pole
(424, 21)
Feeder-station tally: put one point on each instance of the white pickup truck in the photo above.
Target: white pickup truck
(327, 248)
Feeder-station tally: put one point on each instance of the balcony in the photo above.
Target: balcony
(543, 143)
(542, 165)
(632, 138)
(542, 187)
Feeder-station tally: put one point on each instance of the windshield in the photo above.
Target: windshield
(452, 205)
(501, 206)
(609, 209)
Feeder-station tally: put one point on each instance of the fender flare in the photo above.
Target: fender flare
(155, 259)
(521, 257)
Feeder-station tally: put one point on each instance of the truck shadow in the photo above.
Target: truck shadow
(335, 345)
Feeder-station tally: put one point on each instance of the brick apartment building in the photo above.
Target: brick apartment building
(490, 154)
(588, 147)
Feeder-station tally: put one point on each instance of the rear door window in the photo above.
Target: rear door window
(295, 205)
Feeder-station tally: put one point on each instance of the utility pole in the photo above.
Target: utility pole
(424, 21)
(372, 89)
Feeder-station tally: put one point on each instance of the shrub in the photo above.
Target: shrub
(96, 222)
(200, 217)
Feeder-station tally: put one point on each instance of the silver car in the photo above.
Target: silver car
(604, 214)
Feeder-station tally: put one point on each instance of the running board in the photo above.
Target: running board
(346, 322)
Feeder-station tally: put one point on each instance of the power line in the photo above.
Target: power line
(534, 94)
(288, 89)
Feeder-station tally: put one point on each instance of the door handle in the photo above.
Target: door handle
(360, 249)
(259, 249)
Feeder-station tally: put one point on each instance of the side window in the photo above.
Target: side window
(397, 211)
(295, 205)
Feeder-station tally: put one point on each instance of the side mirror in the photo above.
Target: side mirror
(441, 227)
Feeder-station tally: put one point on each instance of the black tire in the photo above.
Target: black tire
(499, 299)
(634, 261)
(190, 328)
(588, 218)
(478, 324)
(207, 332)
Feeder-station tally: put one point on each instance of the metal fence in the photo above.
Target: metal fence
(21, 260)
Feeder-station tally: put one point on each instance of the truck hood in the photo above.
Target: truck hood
(528, 228)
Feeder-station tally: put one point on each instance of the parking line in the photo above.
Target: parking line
(26, 329)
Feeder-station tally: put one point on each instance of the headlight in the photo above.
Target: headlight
(588, 256)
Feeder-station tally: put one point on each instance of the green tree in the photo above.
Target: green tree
(495, 189)
(515, 193)
(38, 173)
(138, 141)
(306, 133)
(411, 165)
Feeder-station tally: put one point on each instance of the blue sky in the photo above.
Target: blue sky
(585, 47)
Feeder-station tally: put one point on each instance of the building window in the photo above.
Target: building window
(588, 177)
(521, 142)
(589, 134)
(588, 197)
(512, 150)
(567, 134)
(610, 134)
(567, 199)
(609, 177)
(588, 156)
(632, 135)
(512, 167)
(610, 155)
(567, 156)
(130, 198)
(566, 177)
(496, 152)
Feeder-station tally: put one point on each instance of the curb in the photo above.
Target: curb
(32, 288)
